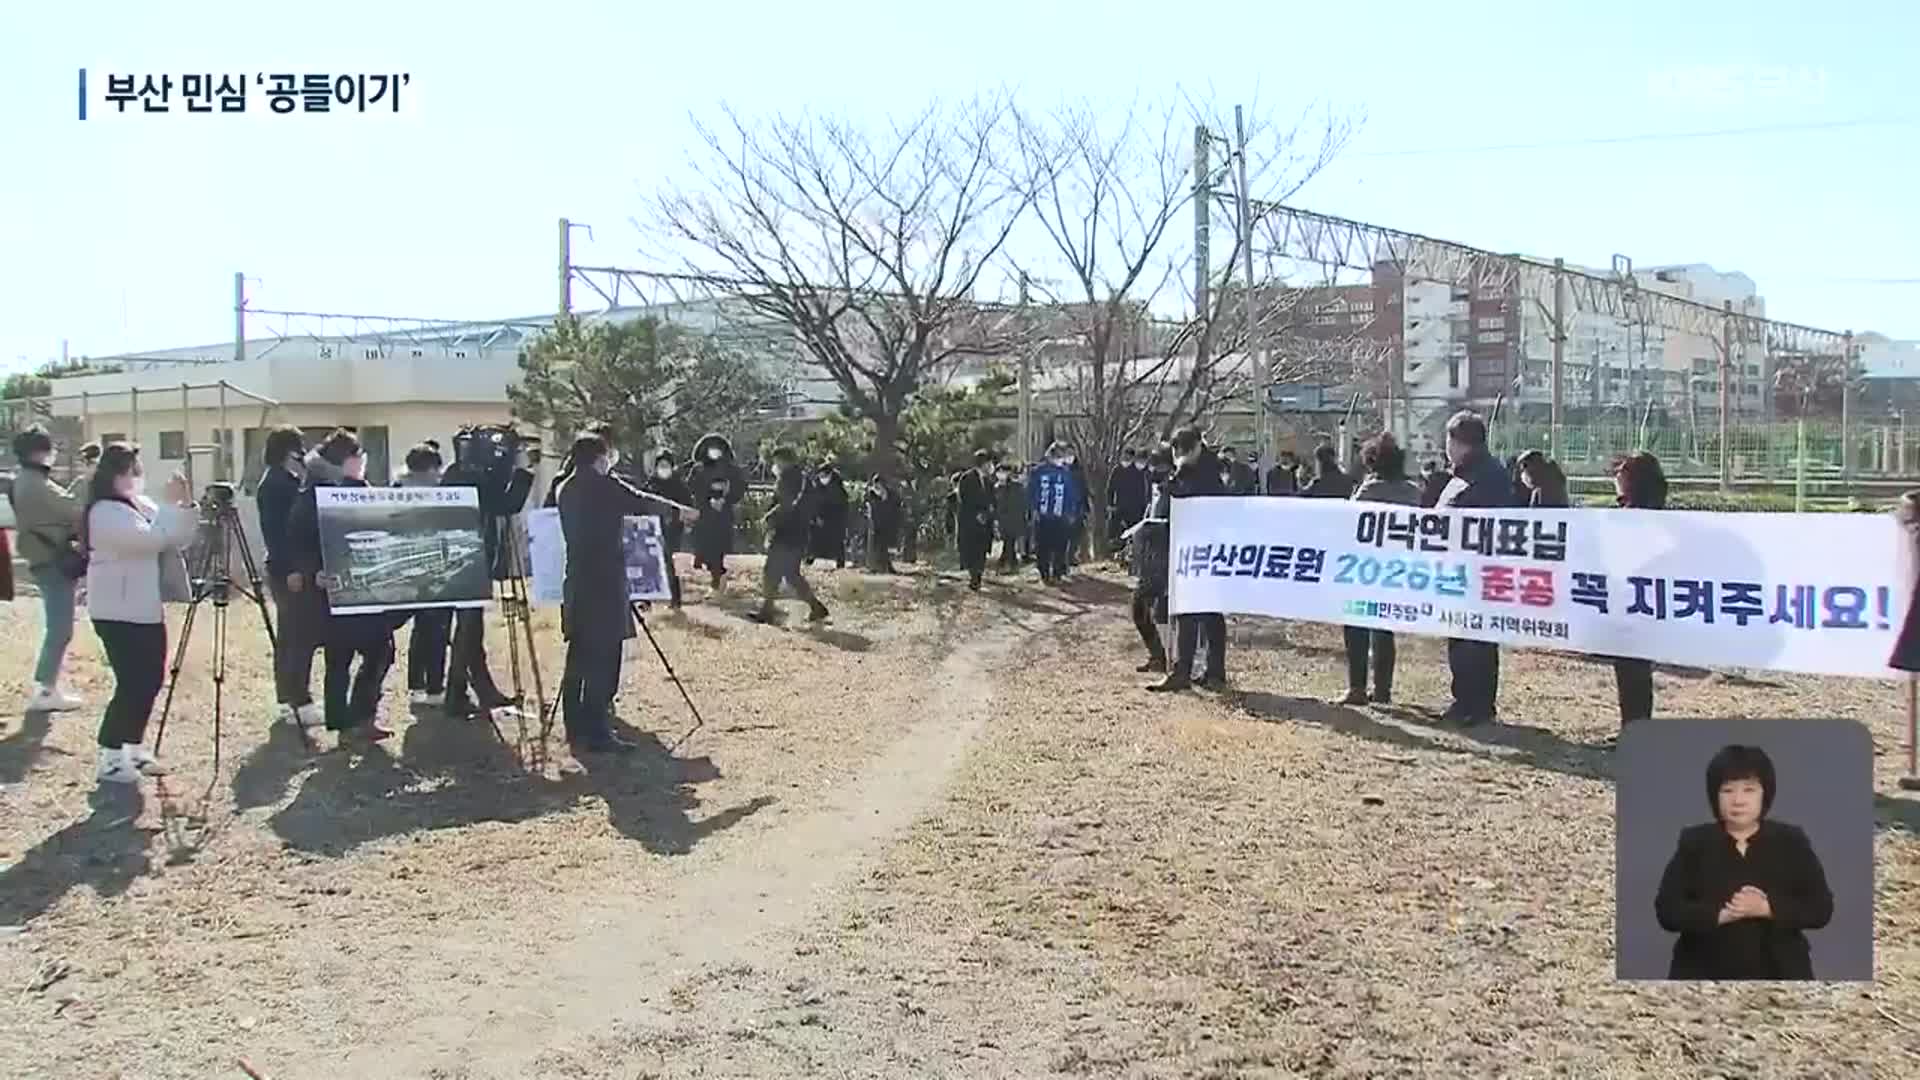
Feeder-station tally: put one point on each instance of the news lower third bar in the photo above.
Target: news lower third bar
(83, 93)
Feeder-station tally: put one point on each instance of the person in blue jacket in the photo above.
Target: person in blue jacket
(1055, 497)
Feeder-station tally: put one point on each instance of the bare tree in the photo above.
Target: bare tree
(867, 246)
(1133, 352)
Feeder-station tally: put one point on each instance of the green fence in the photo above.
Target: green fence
(1757, 450)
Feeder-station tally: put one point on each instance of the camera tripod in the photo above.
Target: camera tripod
(516, 611)
(638, 609)
(211, 578)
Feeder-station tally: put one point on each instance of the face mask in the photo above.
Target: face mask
(663, 471)
(130, 485)
(613, 458)
(713, 454)
(1057, 460)
(603, 466)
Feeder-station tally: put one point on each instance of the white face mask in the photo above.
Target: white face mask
(663, 471)
(603, 466)
(613, 458)
(355, 467)
(135, 485)
(713, 454)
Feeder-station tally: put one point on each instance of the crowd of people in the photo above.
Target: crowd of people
(126, 549)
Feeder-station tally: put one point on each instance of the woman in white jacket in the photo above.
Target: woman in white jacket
(127, 535)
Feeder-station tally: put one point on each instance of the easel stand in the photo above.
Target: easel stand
(1911, 781)
(638, 609)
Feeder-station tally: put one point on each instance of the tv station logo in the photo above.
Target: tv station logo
(279, 93)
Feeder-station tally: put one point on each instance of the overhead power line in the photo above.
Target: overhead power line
(1643, 137)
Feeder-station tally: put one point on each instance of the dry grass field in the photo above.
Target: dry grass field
(947, 836)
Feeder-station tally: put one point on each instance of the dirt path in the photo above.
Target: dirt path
(615, 966)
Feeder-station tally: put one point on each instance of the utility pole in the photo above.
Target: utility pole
(239, 317)
(1026, 382)
(1559, 341)
(1846, 414)
(1202, 204)
(1726, 399)
(1257, 359)
(566, 267)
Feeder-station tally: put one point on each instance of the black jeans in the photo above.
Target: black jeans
(137, 653)
(427, 650)
(1051, 538)
(975, 542)
(1009, 551)
(587, 687)
(1363, 643)
(1635, 681)
(1187, 630)
(347, 709)
(783, 566)
(1147, 609)
(1476, 677)
(295, 615)
(467, 665)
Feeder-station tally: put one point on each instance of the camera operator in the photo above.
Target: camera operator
(666, 483)
(715, 479)
(432, 627)
(285, 462)
(788, 521)
(595, 615)
(494, 460)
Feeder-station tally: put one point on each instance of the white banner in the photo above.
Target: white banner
(1819, 593)
(646, 553)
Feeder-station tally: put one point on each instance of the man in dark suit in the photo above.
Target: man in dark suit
(1479, 482)
(973, 507)
(788, 522)
(596, 617)
(1196, 472)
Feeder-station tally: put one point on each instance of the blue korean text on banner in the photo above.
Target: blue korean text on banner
(1819, 593)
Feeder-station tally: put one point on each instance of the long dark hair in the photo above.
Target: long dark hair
(1645, 483)
(116, 460)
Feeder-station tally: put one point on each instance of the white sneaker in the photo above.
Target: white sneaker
(433, 700)
(284, 714)
(143, 760)
(309, 716)
(116, 768)
(51, 699)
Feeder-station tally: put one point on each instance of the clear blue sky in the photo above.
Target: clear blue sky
(123, 234)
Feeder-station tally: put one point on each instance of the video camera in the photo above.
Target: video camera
(217, 496)
(492, 448)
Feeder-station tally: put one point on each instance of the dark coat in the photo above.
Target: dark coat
(1332, 484)
(593, 513)
(1704, 873)
(1432, 485)
(1906, 648)
(1127, 491)
(672, 529)
(789, 520)
(718, 486)
(498, 504)
(303, 557)
(831, 506)
(883, 512)
(973, 504)
(1242, 479)
(1283, 479)
(1480, 483)
(1010, 507)
(1150, 543)
(274, 499)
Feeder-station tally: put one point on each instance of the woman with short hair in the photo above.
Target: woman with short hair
(1385, 467)
(132, 545)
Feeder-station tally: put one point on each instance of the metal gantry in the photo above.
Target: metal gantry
(1558, 290)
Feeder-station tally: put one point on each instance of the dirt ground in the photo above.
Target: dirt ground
(948, 836)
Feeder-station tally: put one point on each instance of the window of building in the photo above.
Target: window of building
(173, 445)
(1460, 295)
(373, 354)
(460, 354)
(1492, 322)
(113, 437)
(1324, 320)
(1490, 337)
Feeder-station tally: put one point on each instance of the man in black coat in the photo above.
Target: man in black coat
(1196, 472)
(596, 618)
(1284, 477)
(788, 522)
(1239, 477)
(503, 484)
(1126, 494)
(1479, 482)
(829, 540)
(666, 483)
(973, 513)
(715, 479)
(1151, 558)
(883, 523)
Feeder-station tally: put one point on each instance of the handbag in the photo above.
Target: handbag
(69, 558)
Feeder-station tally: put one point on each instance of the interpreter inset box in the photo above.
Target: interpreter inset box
(1744, 851)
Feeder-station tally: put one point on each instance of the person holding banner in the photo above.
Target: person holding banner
(1385, 466)
(1479, 482)
(1638, 484)
(1196, 472)
(432, 629)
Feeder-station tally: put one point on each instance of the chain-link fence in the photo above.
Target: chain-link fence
(1757, 451)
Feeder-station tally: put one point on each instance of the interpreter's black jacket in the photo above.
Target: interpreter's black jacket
(1704, 873)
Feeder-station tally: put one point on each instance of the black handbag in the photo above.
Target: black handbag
(69, 558)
